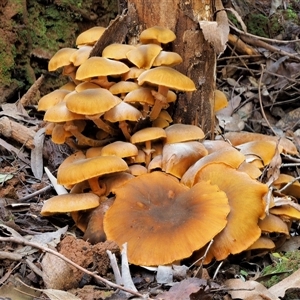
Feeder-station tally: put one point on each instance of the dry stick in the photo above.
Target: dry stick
(44, 189)
(23, 241)
(260, 100)
(288, 184)
(258, 43)
(262, 38)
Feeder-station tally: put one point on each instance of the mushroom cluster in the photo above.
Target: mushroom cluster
(135, 176)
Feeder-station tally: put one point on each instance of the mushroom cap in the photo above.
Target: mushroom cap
(286, 211)
(122, 112)
(220, 101)
(81, 55)
(238, 138)
(168, 77)
(167, 58)
(77, 168)
(157, 34)
(178, 219)
(272, 223)
(148, 134)
(69, 202)
(247, 206)
(293, 189)
(178, 157)
(262, 243)
(60, 113)
(137, 169)
(51, 99)
(183, 132)
(99, 66)
(133, 73)
(117, 51)
(91, 101)
(60, 59)
(70, 86)
(228, 156)
(263, 151)
(120, 148)
(86, 85)
(143, 56)
(90, 36)
(123, 87)
(141, 95)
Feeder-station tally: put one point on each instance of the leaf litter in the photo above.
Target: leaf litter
(261, 100)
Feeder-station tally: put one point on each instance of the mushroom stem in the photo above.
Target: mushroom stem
(124, 127)
(83, 140)
(103, 82)
(160, 101)
(148, 153)
(102, 125)
(95, 186)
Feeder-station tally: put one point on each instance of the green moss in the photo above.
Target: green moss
(7, 62)
(290, 14)
(257, 24)
(282, 267)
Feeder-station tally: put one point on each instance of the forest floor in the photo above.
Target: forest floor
(260, 77)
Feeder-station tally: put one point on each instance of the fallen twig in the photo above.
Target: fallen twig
(23, 241)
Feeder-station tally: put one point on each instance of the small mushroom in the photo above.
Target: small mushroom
(51, 99)
(61, 59)
(93, 103)
(117, 51)
(165, 78)
(155, 209)
(177, 133)
(220, 101)
(158, 35)
(96, 69)
(77, 168)
(69, 203)
(90, 36)
(147, 136)
(81, 55)
(123, 113)
(120, 149)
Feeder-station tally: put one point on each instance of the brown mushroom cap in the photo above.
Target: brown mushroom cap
(143, 56)
(60, 113)
(228, 156)
(99, 66)
(60, 59)
(91, 101)
(178, 219)
(262, 243)
(69, 202)
(177, 133)
(238, 138)
(272, 223)
(120, 148)
(72, 170)
(51, 99)
(220, 101)
(178, 157)
(167, 58)
(247, 206)
(81, 55)
(167, 77)
(90, 36)
(157, 34)
(117, 51)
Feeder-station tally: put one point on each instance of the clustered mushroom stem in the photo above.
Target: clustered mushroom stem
(104, 126)
(124, 127)
(103, 82)
(148, 153)
(160, 101)
(83, 140)
(95, 186)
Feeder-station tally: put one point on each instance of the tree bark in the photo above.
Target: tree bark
(199, 58)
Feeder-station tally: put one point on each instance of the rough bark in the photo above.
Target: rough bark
(198, 55)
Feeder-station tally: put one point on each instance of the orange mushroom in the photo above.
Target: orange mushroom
(178, 219)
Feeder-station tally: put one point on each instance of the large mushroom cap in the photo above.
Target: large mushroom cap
(162, 220)
(168, 77)
(247, 206)
(60, 59)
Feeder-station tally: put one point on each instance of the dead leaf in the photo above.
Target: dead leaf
(37, 154)
(274, 167)
(292, 281)
(216, 32)
(248, 290)
(59, 295)
(183, 289)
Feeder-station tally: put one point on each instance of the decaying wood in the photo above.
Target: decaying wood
(28, 97)
(199, 59)
(18, 132)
